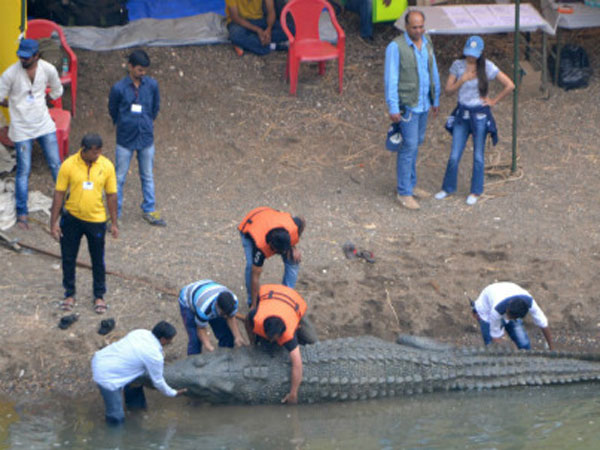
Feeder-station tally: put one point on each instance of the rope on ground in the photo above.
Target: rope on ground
(389, 302)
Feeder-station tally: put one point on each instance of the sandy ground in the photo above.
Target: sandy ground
(229, 138)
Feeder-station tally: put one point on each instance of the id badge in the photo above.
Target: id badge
(88, 185)
(136, 108)
(30, 98)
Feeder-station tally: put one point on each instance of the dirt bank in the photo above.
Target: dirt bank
(229, 138)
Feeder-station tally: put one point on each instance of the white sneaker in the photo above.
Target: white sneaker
(441, 195)
(472, 199)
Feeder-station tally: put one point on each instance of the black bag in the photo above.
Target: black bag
(574, 71)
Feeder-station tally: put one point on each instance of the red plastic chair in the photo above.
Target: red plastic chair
(306, 44)
(62, 120)
(41, 28)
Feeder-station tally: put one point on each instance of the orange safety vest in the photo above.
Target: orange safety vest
(260, 221)
(283, 302)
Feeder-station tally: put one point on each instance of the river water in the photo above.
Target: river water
(562, 417)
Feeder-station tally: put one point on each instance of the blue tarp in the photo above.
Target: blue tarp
(172, 9)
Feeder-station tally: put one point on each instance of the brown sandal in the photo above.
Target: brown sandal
(67, 304)
(100, 306)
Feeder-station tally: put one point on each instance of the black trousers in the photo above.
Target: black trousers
(72, 230)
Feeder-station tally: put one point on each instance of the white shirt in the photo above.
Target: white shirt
(29, 116)
(129, 358)
(495, 294)
(468, 93)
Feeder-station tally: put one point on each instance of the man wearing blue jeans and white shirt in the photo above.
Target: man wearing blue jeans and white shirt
(24, 83)
(118, 364)
(133, 105)
(502, 306)
(412, 87)
(206, 302)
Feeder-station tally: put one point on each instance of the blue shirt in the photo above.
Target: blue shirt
(391, 75)
(133, 110)
(201, 297)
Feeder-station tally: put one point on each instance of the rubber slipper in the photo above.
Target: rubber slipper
(66, 321)
(106, 326)
(367, 256)
(67, 305)
(100, 308)
(23, 222)
(349, 250)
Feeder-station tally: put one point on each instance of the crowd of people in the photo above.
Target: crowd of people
(277, 312)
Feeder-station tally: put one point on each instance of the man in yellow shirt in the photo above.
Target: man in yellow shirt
(250, 30)
(85, 175)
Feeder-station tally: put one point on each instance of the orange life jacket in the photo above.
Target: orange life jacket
(280, 301)
(260, 221)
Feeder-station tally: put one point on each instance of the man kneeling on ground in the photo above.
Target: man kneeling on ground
(502, 306)
(117, 365)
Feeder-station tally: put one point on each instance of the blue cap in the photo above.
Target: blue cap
(28, 48)
(393, 141)
(474, 47)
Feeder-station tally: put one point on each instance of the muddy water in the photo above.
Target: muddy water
(549, 417)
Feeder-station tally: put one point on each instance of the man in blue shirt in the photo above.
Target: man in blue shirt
(206, 302)
(412, 87)
(133, 105)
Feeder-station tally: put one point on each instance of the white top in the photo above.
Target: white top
(468, 93)
(129, 358)
(29, 116)
(491, 308)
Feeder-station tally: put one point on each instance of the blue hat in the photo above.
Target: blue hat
(28, 48)
(474, 47)
(393, 141)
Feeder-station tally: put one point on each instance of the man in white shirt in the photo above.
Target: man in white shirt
(502, 306)
(24, 84)
(120, 363)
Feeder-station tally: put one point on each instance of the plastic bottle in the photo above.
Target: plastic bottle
(65, 65)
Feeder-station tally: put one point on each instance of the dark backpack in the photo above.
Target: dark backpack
(574, 71)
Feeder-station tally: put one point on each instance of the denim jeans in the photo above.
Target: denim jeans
(514, 328)
(460, 133)
(145, 159)
(412, 126)
(248, 39)
(113, 405)
(72, 231)
(290, 272)
(49, 145)
(218, 325)
(364, 8)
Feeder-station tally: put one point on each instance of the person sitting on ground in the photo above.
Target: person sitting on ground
(266, 232)
(502, 306)
(276, 318)
(206, 302)
(250, 30)
(118, 364)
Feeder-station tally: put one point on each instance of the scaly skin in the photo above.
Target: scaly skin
(367, 367)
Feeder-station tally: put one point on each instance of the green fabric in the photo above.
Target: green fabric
(408, 74)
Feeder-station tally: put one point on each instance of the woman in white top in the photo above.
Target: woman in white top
(470, 76)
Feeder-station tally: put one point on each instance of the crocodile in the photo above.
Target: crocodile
(368, 368)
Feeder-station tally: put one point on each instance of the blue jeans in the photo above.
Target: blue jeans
(290, 272)
(248, 39)
(145, 159)
(218, 325)
(460, 133)
(364, 8)
(515, 330)
(113, 405)
(412, 126)
(49, 145)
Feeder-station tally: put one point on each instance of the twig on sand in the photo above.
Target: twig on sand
(389, 302)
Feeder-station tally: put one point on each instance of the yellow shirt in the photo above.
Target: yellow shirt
(85, 185)
(247, 9)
